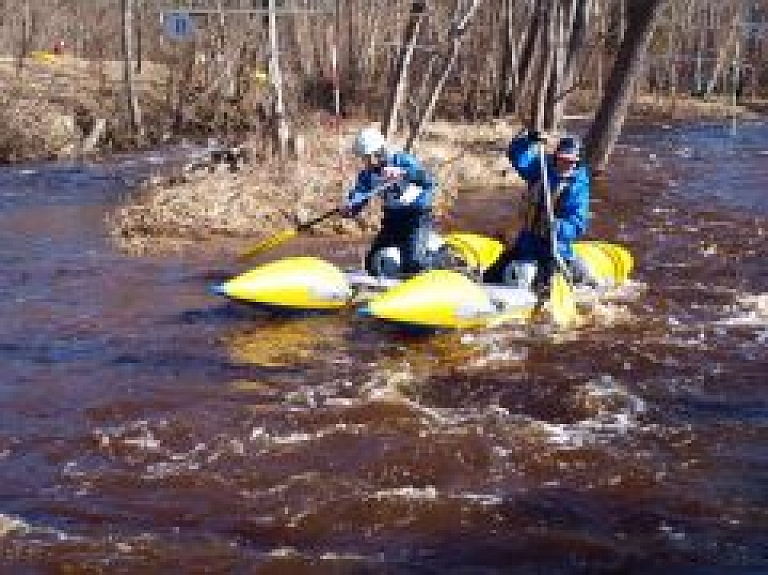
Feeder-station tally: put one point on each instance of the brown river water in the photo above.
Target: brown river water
(149, 427)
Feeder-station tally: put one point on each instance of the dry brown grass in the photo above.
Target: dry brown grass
(39, 106)
(685, 109)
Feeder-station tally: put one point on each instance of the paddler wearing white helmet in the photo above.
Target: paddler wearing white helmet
(407, 192)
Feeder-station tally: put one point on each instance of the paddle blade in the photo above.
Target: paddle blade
(562, 301)
(271, 242)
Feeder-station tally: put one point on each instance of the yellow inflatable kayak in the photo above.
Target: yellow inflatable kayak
(440, 298)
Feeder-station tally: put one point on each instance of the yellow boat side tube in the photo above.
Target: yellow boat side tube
(478, 251)
(434, 299)
(610, 263)
(601, 265)
(624, 261)
(304, 283)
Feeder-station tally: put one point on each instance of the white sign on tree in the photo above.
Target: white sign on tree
(178, 25)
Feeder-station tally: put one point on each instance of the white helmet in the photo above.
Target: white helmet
(369, 141)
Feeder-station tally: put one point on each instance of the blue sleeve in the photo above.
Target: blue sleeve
(361, 193)
(524, 157)
(415, 173)
(573, 213)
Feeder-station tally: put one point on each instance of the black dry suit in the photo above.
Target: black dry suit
(407, 211)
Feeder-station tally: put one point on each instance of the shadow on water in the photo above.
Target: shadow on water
(148, 426)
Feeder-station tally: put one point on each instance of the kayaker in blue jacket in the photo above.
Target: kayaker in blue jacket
(406, 190)
(529, 261)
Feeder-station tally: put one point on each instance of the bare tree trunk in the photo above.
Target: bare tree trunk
(725, 49)
(528, 56)
(600, 50)
(139, 39)
(622, 20)
(132, 102)
(397, 92)
(577, 48)
(542, 80)
(564, 18)
(509, 59)
(605, 128)
(24, 40)
(277, 82)
(457, 33)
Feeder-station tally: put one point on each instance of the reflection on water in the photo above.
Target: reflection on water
(149, 427)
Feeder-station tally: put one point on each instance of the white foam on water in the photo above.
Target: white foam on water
(387, 385)
(410, 493)
(261, 435)
(286, 552)
(496, 356)
(748, 310)
(610, 314)
(10, 525)
(616, 414)
(493, 348)
(292, 481)
(141, 438)
(482, 499)
(431, 493)
(331, 556)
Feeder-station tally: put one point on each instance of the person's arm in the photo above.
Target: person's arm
(359, 195)
(523, 154)
(572, 216)
(413, 172)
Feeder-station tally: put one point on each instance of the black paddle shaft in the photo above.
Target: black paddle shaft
(306, 225)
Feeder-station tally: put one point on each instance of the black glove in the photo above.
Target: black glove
(350, 211)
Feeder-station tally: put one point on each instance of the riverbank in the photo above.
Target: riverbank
(57, 107)
(261, 198)
(53, 107)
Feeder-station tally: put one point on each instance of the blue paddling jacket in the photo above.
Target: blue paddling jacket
(414, 193)
(570, 195)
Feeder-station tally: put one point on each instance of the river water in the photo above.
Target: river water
(148, 427)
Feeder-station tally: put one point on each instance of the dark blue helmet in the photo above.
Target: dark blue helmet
(569, 148)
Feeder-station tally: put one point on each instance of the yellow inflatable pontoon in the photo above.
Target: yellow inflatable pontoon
(439, 298)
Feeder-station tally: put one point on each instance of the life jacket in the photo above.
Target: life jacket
(535, 217)
(396, 196)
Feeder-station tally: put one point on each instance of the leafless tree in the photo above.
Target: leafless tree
(403, 62)
(604, 131)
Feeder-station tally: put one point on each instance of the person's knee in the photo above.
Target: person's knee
(520, 274)
(385, 262)
(417, 255)
(581, 273)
